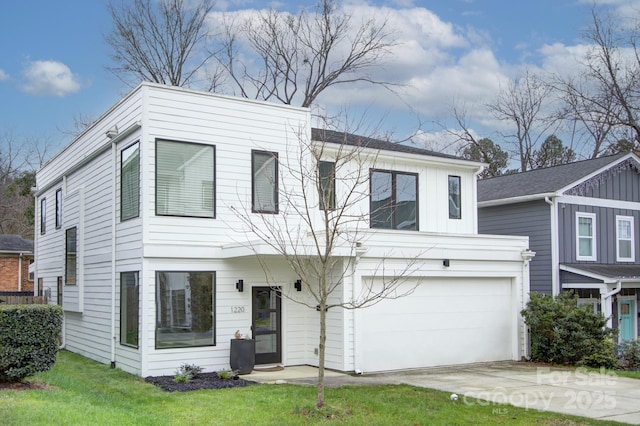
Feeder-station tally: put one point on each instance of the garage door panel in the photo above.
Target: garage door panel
(443, 322)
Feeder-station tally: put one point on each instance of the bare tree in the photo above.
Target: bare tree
(522, 105)
(300, 56)
(161, 41)
(321, 228)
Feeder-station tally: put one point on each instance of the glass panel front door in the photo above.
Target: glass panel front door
(266, 324)
(627, 310)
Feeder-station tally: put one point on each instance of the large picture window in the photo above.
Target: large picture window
(327, 177)
(70, 255)
(585, 236)
(129, 312)
(130, 182)
(184, 171)
(185, 309)
(625, 239)
(264, 182)
(455, 212)
(394, 200)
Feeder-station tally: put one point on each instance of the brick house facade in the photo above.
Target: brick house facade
(16, 253)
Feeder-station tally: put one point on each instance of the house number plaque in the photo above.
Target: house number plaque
(237, 309)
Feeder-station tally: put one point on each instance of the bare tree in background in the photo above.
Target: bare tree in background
(162, 41)
(300, 56)
(321, 229)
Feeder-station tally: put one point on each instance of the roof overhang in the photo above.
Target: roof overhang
(608, 274)
(515, 200)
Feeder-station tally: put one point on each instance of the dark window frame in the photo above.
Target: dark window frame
(43, 216)
(322, 190)
(58, 208)
(393, 205)
(59, 291)
(71, 256)
(452, 214)
(159, 312)
(125, 304)
(276, 190)
(122, 182)
(215, 169)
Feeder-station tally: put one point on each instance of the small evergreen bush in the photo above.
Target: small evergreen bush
(564, 333)
(29, 339)
(629, 354)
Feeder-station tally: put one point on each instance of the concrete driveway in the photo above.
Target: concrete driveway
(578, 392)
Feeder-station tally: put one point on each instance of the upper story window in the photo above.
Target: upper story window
(58, 208)
(455, 211)
(130, 182)
(394, 200)
(43, 216)
(625, 244)
(70, 256)
(327, 181)
(185, 172)
(264, 182)
(585, 236)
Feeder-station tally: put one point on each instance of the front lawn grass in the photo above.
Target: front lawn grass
(88, 393)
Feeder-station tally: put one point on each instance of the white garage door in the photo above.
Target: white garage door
(444, 322)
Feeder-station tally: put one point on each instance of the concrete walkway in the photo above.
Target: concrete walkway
(569, 391)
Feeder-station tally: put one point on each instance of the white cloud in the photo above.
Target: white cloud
(3, 75)
(49, 78)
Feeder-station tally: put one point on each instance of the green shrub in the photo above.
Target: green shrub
(192, 370)
(226, 374)
(564, 333)
(629, 353)
(29, 339)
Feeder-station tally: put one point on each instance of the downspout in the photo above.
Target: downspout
(605, 303)
(555, 272)
(114, 161)
(527, 255)
(357, 358)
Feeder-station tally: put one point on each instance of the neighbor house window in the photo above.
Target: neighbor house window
(43, 216)
(40, 286)
(130, 182)
(70, 255)
(185, 309)
(184, 172)
(454, 197)
(59, 291)
(58, 208)
(394, 197)
(327, 177)
(264, 182)
(129, 303)
(625, 239)
(585, 236)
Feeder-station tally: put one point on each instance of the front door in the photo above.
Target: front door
(626, 314)
(266, 325)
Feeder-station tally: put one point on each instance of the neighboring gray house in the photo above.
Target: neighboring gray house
(581, 222)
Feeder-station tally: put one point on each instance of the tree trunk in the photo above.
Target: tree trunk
(321, 354)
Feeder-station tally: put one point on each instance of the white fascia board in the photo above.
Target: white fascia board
(515, 200)
(578, 271)
(598, 202)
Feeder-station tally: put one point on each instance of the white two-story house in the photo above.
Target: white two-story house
(147, 235)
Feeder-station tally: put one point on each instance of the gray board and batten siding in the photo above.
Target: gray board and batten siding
(528, 219)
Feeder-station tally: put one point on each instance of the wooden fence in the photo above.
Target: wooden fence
(22, 300)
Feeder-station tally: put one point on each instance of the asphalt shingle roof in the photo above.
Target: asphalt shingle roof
(15, 243)
(332, 136)
(540, 181)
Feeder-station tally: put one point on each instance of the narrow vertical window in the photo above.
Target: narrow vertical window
(129, 312)
(185, 179)
(327, 185)
(71, 245)
(585, 236)
(130, 182)
(59, 208)
(59, 291)
(43, 216)
(455, 212)
(625, 239)
(40, 287)
(264, 182)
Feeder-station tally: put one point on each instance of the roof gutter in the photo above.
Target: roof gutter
(514, 200)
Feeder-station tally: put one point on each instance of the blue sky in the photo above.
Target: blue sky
(52, 67)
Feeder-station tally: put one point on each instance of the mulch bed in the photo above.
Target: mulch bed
(203, 381)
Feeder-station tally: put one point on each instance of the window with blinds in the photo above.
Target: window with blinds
(185, 179)
(130, 182)
(264, 182)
